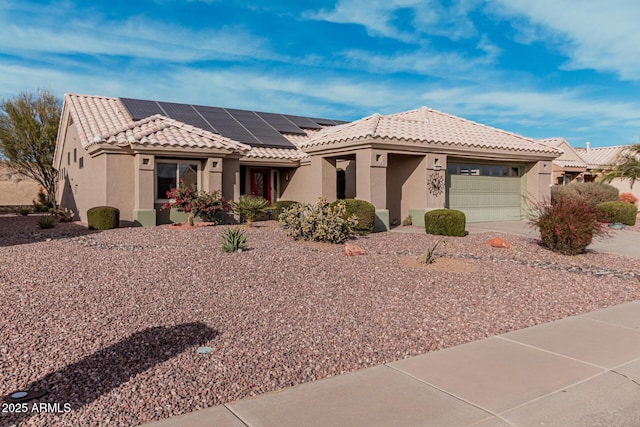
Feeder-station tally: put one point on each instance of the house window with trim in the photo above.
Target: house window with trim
(169, 173)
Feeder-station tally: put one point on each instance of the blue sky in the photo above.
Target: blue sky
(542, 68)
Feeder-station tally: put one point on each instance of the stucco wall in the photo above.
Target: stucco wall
(80, 189)
(16, 189)
(298, 186)
(406, 185)
(120, 183)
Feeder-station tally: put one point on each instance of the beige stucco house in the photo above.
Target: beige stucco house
(15, 189)
(601, 158)
(569, 167)
(126, 153)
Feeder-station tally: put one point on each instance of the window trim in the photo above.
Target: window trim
(177, 162)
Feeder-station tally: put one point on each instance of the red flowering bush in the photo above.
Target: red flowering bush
(207, 206)
(567, 225)
(629, 198)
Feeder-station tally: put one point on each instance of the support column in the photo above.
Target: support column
(144, 213)
(435, 191)
(323, 178)
(371, 183)
(212, 174)
(230, 179)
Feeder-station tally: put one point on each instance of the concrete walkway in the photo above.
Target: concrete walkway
(620, 242)
(580, 371)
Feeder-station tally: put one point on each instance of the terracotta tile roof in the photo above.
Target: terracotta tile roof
(425, 125)
(570, 164)
(565, 160)
(284, 153)
(600, 156)
(554, 142)
(102, 120)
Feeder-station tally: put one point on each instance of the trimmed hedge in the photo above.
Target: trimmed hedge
(280, 205)
(621, 212)
(445, 222)
(103, 218)
(363, 210)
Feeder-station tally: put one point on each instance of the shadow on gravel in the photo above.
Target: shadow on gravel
(84, 381)
(20, 230)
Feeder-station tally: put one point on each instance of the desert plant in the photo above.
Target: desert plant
(626, 166)
(363, 210)
(567, 225)
(233, 240)
(445, 222)
(319, 222)
(48, 221)
(42, 203)
(592, 193)
(628, 198)
(103, 218)
(407, 221)
(208, 206)
(429, 257)
(279, 206)
(617, 212)
(249, 207)
(23, 210)
(64, 215)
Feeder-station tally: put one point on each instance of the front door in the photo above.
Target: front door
(261, 183)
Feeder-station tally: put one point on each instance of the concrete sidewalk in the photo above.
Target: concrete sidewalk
(580, 371)
(620, 242)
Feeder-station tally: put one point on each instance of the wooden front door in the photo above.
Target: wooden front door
(261, 183)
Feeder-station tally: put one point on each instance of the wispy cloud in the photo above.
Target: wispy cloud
(592, 34)
(135, 37)
(380, 17)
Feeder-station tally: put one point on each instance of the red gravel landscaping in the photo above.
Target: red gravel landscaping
(109, 322)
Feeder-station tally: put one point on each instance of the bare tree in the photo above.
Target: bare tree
(28, 129)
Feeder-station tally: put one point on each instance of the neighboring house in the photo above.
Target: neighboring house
(602, 158)
(16, 189)
(569, 167)
(127, 153)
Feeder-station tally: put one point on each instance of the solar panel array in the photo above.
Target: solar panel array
(250, 127)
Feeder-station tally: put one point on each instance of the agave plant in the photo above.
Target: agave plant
(233, 240)
(48, 221)
(250, 207)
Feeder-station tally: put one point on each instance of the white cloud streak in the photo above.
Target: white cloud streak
(593, 34)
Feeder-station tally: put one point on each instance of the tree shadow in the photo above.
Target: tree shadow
(83, 382)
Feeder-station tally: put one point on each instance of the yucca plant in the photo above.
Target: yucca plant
(233, 240)
(250, 207)
(48, 221)
(429, 257)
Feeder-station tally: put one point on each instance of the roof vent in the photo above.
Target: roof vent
(588, 144)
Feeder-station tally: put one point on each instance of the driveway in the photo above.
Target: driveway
(620, 242)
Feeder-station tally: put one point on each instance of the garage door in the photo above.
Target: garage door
(485, 192)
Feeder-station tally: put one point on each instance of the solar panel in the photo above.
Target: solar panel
(327, 122)
(262, 130)
(140, 109)
(186, 114)
(281, 123)
(303, 122)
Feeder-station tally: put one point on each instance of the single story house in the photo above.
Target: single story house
(569, 166)
(601, 158)
(127, 153)
(15, 189)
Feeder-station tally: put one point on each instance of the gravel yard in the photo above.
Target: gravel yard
(109, 322)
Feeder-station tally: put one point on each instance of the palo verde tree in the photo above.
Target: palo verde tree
(627, 166)
(28, 130)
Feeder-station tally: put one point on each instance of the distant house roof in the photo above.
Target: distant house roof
(569, 157)
(600, 156)
(425, 125)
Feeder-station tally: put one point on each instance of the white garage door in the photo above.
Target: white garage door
(485, 192)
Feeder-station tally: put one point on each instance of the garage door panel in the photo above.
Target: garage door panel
(486, 198)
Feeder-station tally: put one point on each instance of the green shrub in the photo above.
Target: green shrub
(42, 204)
(103, 218)
(567, 226)
(24, 210)
(407, 221)
(593, 193)
(48, 221)
(279, 206)
(209, 206)
(363, 210)
(320, 222)
(233, 240)
(445, 222)
(249, 207)
(621, 212)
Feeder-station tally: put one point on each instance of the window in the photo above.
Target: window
(75, 155)
(68, 158)
(485, 170)
(168, 174)
(81, 162)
